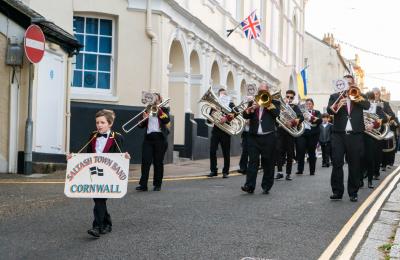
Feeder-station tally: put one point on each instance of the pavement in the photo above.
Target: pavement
(382, 240)
(193, 217)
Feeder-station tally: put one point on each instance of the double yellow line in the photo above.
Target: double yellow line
(131, 180)
(386, 186)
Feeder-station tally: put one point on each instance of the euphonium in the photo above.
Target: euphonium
(287, 115)
(371, 118)
(213, 110)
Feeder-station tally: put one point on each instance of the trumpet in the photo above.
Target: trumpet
(353, 93)
(151, 110)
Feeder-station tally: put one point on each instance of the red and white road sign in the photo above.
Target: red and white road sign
(34, 43)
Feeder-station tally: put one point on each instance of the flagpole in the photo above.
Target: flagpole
(230, 31)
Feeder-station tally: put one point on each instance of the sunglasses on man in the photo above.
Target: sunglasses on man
(289, 97)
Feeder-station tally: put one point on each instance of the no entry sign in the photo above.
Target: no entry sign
(34, 43)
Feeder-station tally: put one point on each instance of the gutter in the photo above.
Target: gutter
(151, 34)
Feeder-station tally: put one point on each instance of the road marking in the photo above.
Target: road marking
(358, 235)
(131, 180)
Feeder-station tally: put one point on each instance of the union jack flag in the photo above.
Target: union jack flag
(251, 26)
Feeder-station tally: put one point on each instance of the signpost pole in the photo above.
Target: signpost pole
(29, 127)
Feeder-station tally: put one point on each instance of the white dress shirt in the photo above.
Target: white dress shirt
(154, 125)
(101, 142)
(260, 113)
(348, 125)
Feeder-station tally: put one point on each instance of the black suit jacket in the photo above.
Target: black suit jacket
(268, 119)
(163, 120)
(315, 129)
(356, 115)
(115, 143)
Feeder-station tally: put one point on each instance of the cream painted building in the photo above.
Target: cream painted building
(178, 48)
(326, 65)
(49, 89)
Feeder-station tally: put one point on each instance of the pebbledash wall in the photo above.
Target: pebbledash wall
(178, 48)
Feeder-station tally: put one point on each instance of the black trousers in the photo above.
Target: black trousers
(285, 150)
(306, 143)
(244, 158)
(264, 146)
(326, 152)
(371, 157)
(220, 137)
(153, 151)
(101, 216)
(353, 146)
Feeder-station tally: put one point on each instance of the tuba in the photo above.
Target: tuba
(287, 115)
(213, 111)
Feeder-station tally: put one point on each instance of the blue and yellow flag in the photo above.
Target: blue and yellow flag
(302, 83)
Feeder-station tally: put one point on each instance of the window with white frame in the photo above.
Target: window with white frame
(93, 68)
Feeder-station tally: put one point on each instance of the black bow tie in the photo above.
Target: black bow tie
(102, 135)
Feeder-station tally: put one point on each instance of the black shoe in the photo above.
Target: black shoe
(225, 175)
(353, 198)
(141, 188)
(157, 188)
(242, 171)
(94, 232)
(370, 185)
(335, 197)
(327, 165)
(279, 176)
(361, 184)
(106, 229)
(288, 178)
(265, 192)
(247, 189)
(376, 177)
(212, 174)
(312, 173)
(299, 173)
(324, 165)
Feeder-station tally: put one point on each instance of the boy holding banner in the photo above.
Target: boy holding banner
(103, 140)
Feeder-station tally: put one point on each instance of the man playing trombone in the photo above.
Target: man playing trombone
(347, 138)
(156, 124)
(262, 115)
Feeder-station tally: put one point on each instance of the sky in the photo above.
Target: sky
(369, 24)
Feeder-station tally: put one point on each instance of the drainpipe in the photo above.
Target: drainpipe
(68, 106)
(150, 33)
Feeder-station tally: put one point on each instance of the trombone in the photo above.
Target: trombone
(151, 109)
(353, 93)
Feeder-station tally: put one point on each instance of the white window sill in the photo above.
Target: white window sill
(94, 97)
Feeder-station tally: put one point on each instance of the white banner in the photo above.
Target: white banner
(91, 175)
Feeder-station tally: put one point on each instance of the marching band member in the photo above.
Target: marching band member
(347, 138)
(325, 131)
(386, 158)
(372, 146)
(309, 139)
(286, 142)
(103, 140)
(155, 145)
(261, 142)
(220, 137)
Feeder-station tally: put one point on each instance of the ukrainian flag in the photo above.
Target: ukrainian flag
(302, 83)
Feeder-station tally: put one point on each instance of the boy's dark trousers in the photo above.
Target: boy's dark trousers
(101, 216)
(153, 151)
(326, 153)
